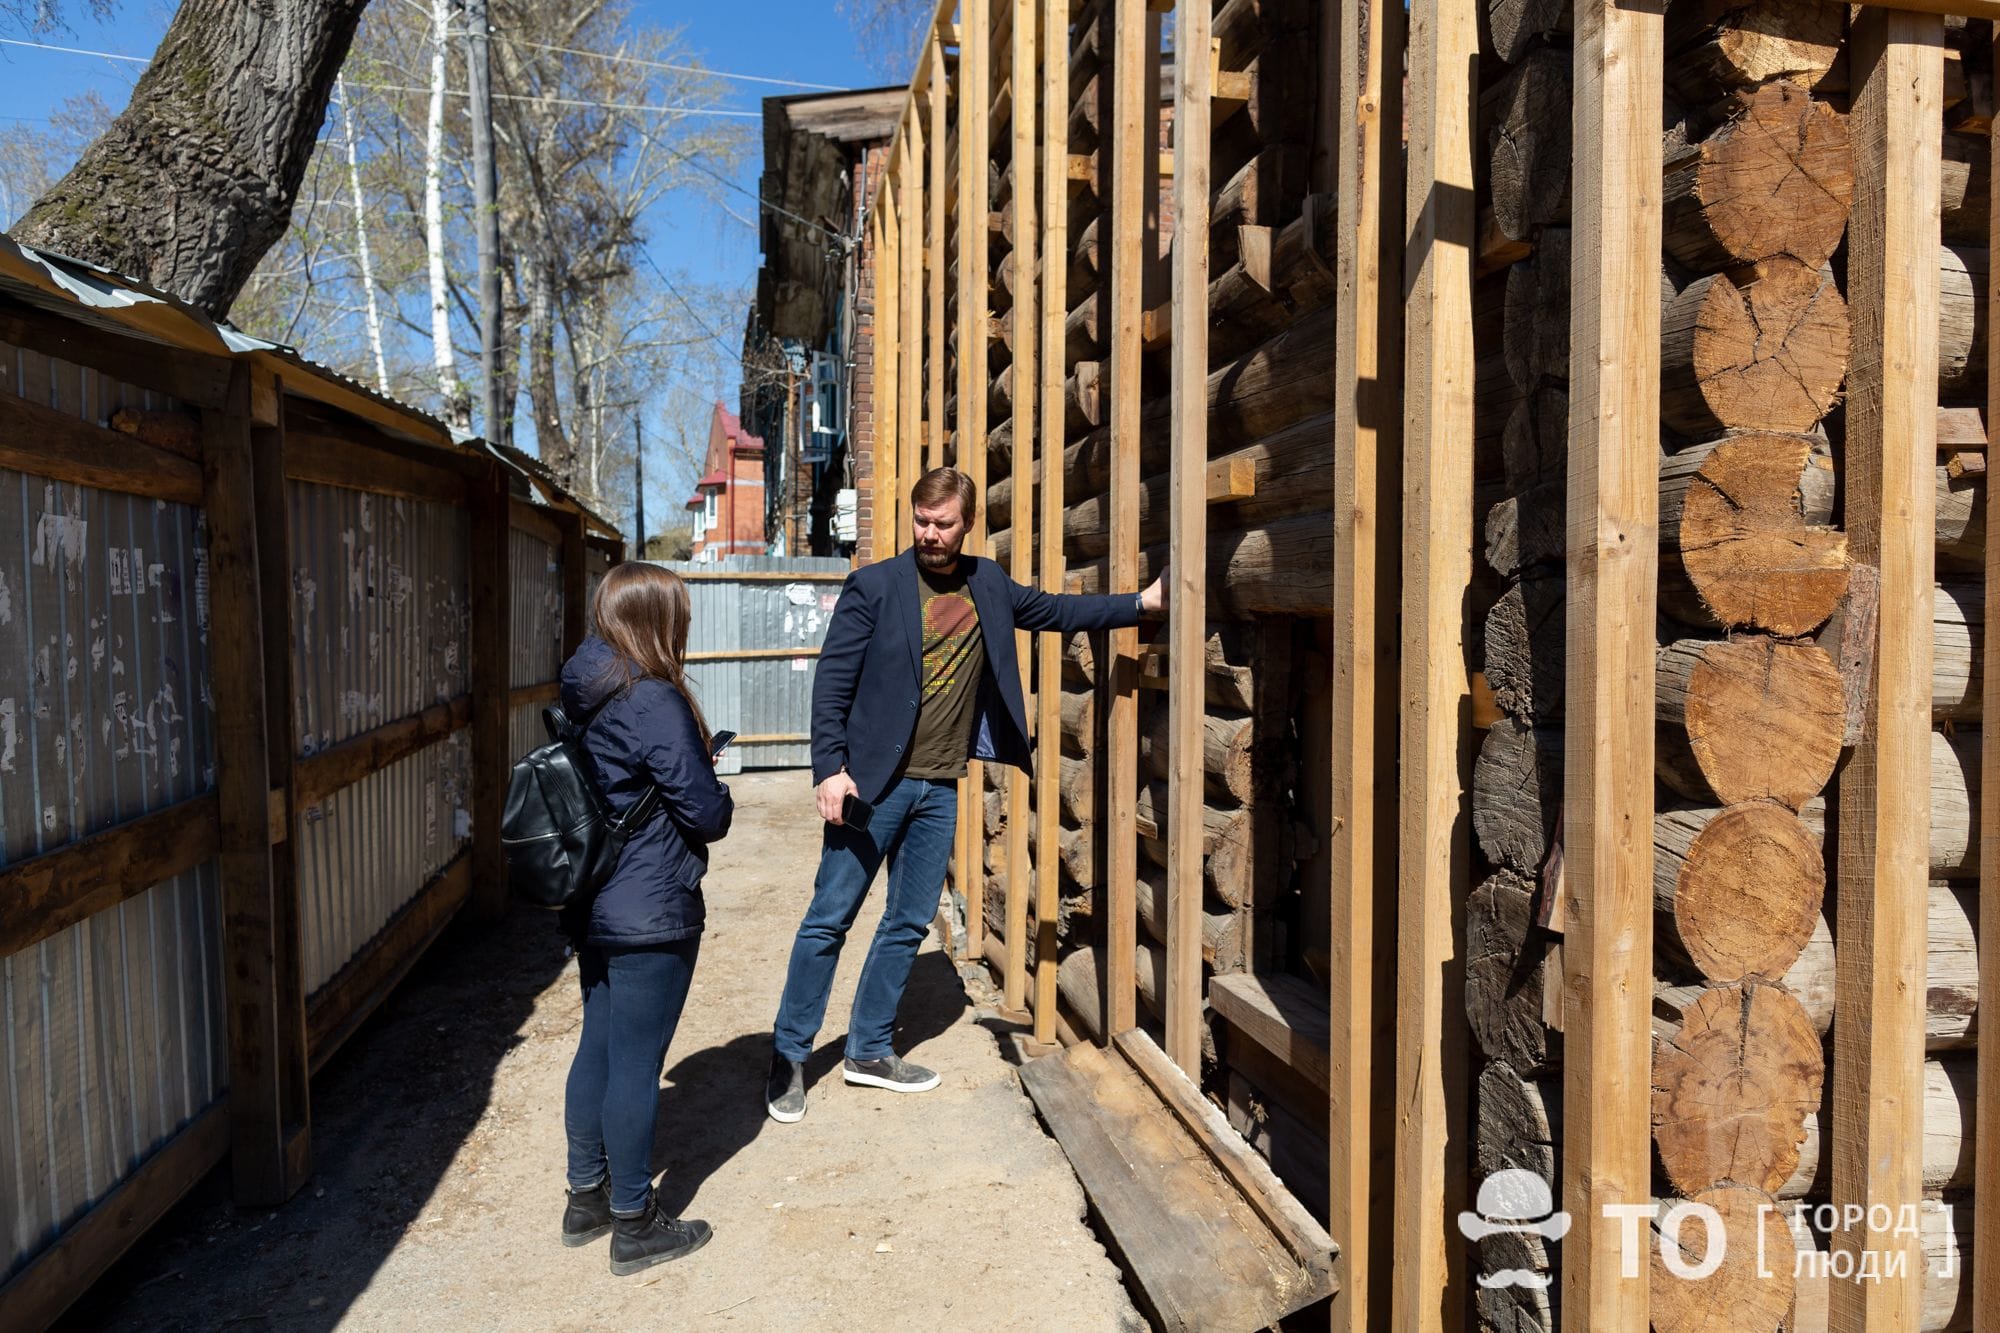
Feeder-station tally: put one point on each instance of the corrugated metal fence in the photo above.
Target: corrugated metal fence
(753, 651)
(252, 753)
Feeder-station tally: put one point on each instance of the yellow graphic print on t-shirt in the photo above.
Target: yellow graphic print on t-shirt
(949, 623)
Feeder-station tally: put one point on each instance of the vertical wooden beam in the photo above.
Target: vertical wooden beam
(1878, 1049)
(1188, 533)
(910, 447)
(1054, 71)
(491, 634)
(267, 1050)
(974, 56)
(1435, 850)
(1613, 573)
(1127, 235)
(888, 367)
(1362, 124)
(939, 250)
(1986, 1152)
(575, 582)
(1021, 74)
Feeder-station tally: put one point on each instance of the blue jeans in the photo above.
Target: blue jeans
(632, 1001)
(912, 829)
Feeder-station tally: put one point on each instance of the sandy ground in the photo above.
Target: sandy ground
(437, 1188)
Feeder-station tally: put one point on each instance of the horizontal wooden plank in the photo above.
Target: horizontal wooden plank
(337, 1009)
(751, 654)
(536, 521)
(522, 695)
(1286, 1015)
(1972, 9)
(775, 738)
(319, 776)
(330, 461)
(763, 576)
(44, 442)
(195, 378)
(39, 1293)
(51, 892)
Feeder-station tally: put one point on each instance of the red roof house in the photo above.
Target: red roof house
(728, 502)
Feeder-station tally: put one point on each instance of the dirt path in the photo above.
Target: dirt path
(438, 1132)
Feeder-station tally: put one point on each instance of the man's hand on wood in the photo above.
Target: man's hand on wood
(1153, 601)
(831, 793)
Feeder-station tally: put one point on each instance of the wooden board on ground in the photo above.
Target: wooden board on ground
(1199, 1256)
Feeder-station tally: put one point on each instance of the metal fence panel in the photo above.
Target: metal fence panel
(760, 696)
(383, 624)
(112, 1030)
(535, 600)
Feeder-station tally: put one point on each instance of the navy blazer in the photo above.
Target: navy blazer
(869, 689)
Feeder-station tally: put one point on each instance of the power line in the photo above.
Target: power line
(693, 314)
(669, 65)
(74, 51)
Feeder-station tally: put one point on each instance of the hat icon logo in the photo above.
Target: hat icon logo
(1514, 1202)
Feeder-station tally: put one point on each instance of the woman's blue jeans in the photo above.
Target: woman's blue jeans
(632, 1001)
(912, 829)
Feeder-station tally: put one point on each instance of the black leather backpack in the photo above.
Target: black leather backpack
(561, 839)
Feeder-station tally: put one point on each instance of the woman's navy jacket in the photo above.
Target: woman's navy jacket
(646, 736)
(869, 689)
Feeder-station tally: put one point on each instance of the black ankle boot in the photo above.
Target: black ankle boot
(653, 1238)
(587, 1215)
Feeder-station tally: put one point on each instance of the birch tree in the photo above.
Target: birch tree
(361, 241)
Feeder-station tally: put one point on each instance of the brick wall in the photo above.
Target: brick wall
(861, 431)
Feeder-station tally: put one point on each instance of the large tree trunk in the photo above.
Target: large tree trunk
(195, 179)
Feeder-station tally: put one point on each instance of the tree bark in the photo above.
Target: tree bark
(1747, 517)
(1733, 1082)
(1763, 348)
(1748, 719)
(195, 179)
(1776, 180)
(1737, 890)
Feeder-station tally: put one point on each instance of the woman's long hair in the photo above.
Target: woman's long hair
(641, 611)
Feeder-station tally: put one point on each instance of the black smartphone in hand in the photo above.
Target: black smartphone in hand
(855, 812)
(719, 742)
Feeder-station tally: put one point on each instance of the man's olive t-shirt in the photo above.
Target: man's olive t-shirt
(954, 661)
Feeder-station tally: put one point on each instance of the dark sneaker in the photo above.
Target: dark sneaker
(587, 1215)
(785, 1090)
(891, 1072)
(653, 1238)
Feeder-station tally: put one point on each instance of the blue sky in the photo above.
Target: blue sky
(779, 39)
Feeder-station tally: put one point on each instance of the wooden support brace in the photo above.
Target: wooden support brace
(1231, 479)
(1986, 1159)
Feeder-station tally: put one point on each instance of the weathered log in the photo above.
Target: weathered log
(1958, 650)
(1747, 719)
(1506, 961)
(1778, 179)
(1284, 567)
(1733, 1082)
(1961, 522)
(1221, 930)
(1528, 149)
(1962, 322)
(1950, 1090)
(1760, 348)
(1225, 849)
(1266, 188)
(1225, 752)
(1079, 715)
(1954, 841)
(1535, 335)
(1716, 47)
(1254, 302)
(1966, 191)
(1515, 24)
(1228, 680)
(1527, 528)
(1518, 1127)
(1746, 516)
(1526, 654)
(1534, 445)
(1751, 1284)
(1736, 890)
(1078, 790)
(1516, 793)
(1079, 983)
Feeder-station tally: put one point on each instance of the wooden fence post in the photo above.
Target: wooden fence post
(575, 582)
(491, 635)
(268, 1092)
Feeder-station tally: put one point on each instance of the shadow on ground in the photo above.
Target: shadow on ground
(392, 1112)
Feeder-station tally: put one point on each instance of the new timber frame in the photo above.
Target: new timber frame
(1401, 522)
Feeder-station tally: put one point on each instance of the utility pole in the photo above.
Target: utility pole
(639, 490)
(485, 188)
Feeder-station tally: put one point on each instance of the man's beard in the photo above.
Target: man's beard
(937, 559)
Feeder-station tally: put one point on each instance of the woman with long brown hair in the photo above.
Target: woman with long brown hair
(638, 936)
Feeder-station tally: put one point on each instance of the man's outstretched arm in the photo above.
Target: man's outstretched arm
(1068, 612)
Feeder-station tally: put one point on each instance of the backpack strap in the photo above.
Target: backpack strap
(557, 722)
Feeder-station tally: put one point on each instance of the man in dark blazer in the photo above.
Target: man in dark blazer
(918, 673)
